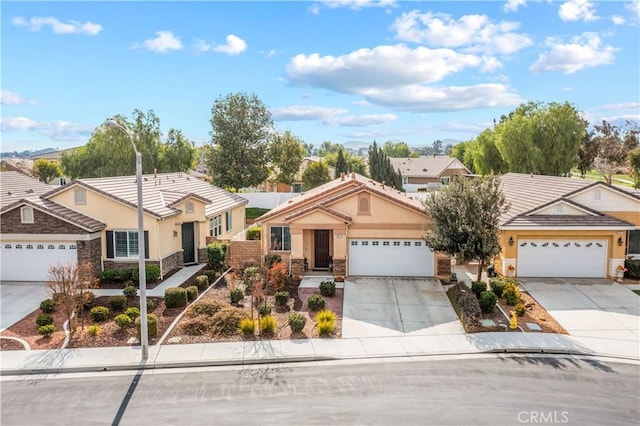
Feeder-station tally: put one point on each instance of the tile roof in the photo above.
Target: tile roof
(16, 185)
(568, 221)
(161, 192)
(59, 211)
(426, 166)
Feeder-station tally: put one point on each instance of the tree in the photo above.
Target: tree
(357, 164)
(587, 154)
(381, 169)
(328, 147)
(68, 283)
(307, 149)
(487, 159)
(437, 146)
(178, 153)
(634, 162)
(341, 164)
(465, 217)
(285, 152)
(240, 125)
(397, 150)
(315, 174)
(613, 145)
(46, 170)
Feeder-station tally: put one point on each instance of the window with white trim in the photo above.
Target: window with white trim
(80, 196)
(445, 180)
(633, 245)
(405, 180)
(228, 220)
(280, 238)
(125, 243)
(215, 226)
(26, 214)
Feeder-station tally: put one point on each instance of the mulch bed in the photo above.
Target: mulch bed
(534, 313)
(11, 345)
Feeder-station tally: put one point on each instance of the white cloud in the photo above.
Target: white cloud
(164, 41)
(314, 9)
(233, 46)
(584, 51)
(634, 7)
(513, 5)
(361, 120)
(358, 4)
(56, 130)
(58, 27)
(474, 33)
(622, 106)
(362, 103)
(577, 10)
(618, 20)
(17, 123)
(11, 98)
(329, 116)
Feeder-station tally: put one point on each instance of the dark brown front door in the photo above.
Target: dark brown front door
(321, 249)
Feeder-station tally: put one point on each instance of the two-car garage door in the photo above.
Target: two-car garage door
(562, 258)
(390, 257)
(30, 261)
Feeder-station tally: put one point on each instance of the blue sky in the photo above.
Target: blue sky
(328, 70)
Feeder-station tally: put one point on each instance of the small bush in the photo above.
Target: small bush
(202, 282)
(150, 305)
(152, 325)
(328, 288)
(236, 295)
(247, 326)
(152, 273)
(216, 253)
(497, 285)
(277, 276)
(47, 306)
(488, 301)
(46, 330)
(211, 277)
(520, 309)
(633, 269)
(132, 312)
(93, 330)
(271, 259)
(264, 309)
(117, 303)
(195, 326)
(326, 328)
(44, 319)
(478, 287)
(470, 307)
(268, 324)
(127, 274)
(192, 293)
(175, 297)
(130, 292)
(315, 302)
(107, 276)
(282, 297)
(297, 322)
(325, 316)
(226, 321)
(123, 321)
(253, 233)
(511, 294)
(99, 313)
(204, 308)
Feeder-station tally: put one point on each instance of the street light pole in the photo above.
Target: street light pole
(142, 284)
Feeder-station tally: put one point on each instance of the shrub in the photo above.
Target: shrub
(315, 302)
(99, 313)
(130, 292)
(247, 326)
(252, 274)
(152, 273)
(202, 282)
(227, 321)
(271, 259)
(117, 303)
(152, 325)
(282, 297)
(47, 306)
(633, 269)
(46, 330)
(253, 233)
(478, 287)
(236, 295)
(511, 294)
(204, 308)
(44, 319)
(127, 274)
(132, 312)
(488, 301)
(211, 276)
(469, 307)
(175, 297)
(107, 276)
(195, 326)
(297, 322)
(87, 300)
(328, 288)
(520, 309)
(123, 321)
(192, 293)
(264, 309)
(93, 330)
(277, 275)
(326, 328)
(216, 253)
(268, 324)
(325, 316)
(150, 305)
(456, 290)
(497, 285)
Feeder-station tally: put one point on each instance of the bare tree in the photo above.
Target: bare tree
(68, 282)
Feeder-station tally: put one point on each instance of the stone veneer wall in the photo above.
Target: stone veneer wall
(297, 267)
(202, 255)
(339, 268)
(91, 251)
(443, 266)
(241, 253)
(43, 223)
(169, 263)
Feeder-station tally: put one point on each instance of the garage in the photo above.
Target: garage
(562, 258)
(390, 257)
(29, 261)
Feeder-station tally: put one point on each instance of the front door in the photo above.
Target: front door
(321, 249)
(188, 243)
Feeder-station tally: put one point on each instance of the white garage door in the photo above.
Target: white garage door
(401, 258)
(29, 261)
(562, 258)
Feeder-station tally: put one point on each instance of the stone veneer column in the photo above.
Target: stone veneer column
(339, 268)
(297, 267)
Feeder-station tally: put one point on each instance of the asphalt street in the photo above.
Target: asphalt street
(486, 389)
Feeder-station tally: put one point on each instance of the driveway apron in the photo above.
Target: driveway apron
(18, 299)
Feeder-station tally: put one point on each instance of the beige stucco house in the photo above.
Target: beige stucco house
(565, 227)
(98, 219)
(427, 173)
(351, 226)
(272, 185)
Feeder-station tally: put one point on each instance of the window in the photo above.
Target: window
(353, 243)
(375, 243)
(445, 180)
(126, 243)
(51, 247)
(80, 196)
(280, 238)
(297, 187)
(215, 226)
(396, 243)
(40, 247)
(365, 243)
(188, 207)
(7, 246)
(633, 248)
(385, 243)
(18, 246)
(407, 243)
(228, 221)
(417, 243)
(72, 247)
(26, 215)
(405, 180)
(29, 246)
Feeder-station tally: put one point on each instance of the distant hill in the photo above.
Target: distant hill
(26, 153)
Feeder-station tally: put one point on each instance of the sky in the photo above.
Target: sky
(334, 70)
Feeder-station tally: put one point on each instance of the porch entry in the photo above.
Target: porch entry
(321, 249)
(188, 243)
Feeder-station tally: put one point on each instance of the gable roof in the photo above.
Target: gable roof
(426, 166)
(16, 186)
(61, 212)
(161, 192)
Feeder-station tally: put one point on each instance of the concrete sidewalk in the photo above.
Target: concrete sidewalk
(267, 351)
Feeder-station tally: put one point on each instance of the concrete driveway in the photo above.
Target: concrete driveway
(589, 307)
(380, 307)
(17, 299)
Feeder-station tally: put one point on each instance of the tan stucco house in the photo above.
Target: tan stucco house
(565, 227)
(351, 226)
(273, 185)
(96, 219)
(427, 173)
